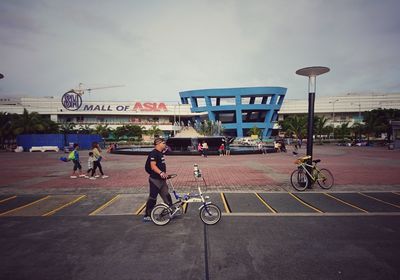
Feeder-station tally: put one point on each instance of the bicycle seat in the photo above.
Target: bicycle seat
(170, 176)
(316, 160)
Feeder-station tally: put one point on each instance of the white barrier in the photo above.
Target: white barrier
(44, 149)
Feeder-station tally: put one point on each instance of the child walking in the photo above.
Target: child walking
(91, 161)
(74, 156)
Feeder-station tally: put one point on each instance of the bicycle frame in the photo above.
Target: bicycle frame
(304, 165)
(191, 197)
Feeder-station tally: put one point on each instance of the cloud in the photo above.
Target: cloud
(160, 48)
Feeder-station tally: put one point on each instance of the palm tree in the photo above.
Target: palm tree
(6, 130)
(254, 131)
(320, 127)
(295, 126)
(28, 123)
(103, 130)
(343, 130)
(154, 130)
(85, 129)
(358, 128)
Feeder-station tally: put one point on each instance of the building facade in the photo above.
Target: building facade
(342, 108)
(238, 109)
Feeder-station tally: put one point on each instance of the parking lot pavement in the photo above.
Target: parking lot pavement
(246, 247)
(267, 203)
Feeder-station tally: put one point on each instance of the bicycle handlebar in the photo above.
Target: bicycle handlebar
(170, 176)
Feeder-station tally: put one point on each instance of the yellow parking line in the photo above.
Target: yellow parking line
(63, 206)
(24, 206)
(140, 209)
(305, 203)
(377, 199)
(8, 198)
(185, 207)
(342, 201)
(265, 203)
(227, 208)
(104, 205)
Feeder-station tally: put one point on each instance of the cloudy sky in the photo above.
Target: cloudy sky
(158, 48)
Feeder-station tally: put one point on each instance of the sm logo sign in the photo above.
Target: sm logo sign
(71, 100)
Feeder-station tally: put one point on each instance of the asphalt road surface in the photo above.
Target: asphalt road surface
(238, 247)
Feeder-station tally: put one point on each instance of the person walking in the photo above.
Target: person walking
(91, 161)
(97, 163)
(74, 156)
(221, 150)
(157, 169)
(228, 148)
(205, 148)
(200, 149)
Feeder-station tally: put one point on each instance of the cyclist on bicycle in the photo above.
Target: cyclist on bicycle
(156, 168)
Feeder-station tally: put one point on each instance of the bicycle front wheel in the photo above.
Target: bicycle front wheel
(325, 179)
(210, 214)
(299, 179)
(160, 215)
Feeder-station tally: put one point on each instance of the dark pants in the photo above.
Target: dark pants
(157, 186)
(97, 164)
(77, 165)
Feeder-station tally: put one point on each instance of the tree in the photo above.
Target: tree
(6, 129)
(254, 131)
(67, 128)
(154, 130)
(378, 121)
(28, 123)
(295, 126)
(320, 127)
(137, 131)
(102, 130)
(358, 129)
(85, 129)
(343, 130)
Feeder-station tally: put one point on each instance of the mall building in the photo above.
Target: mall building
(237, 109)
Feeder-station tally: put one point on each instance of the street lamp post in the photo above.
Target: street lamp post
(311, 73)
(333, 116)
(359, 119)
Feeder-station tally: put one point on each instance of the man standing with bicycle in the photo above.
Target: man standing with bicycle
(156, 168)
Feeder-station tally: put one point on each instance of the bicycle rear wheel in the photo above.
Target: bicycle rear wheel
(299, 179)
(325, 179)
(210, 214)
(160, 215)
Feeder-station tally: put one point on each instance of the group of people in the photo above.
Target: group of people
(202, 148)
(223, 149)
(94, 163)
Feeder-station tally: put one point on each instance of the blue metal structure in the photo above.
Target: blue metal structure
(27, 141)
(238, 109)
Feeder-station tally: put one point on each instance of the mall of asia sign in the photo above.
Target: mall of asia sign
(72, 101)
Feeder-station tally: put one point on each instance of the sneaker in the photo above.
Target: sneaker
(73, 177)
(97, 176)
(86, 176)
(92, 178)
(82, 176)
(104, 176)
(146, 219)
